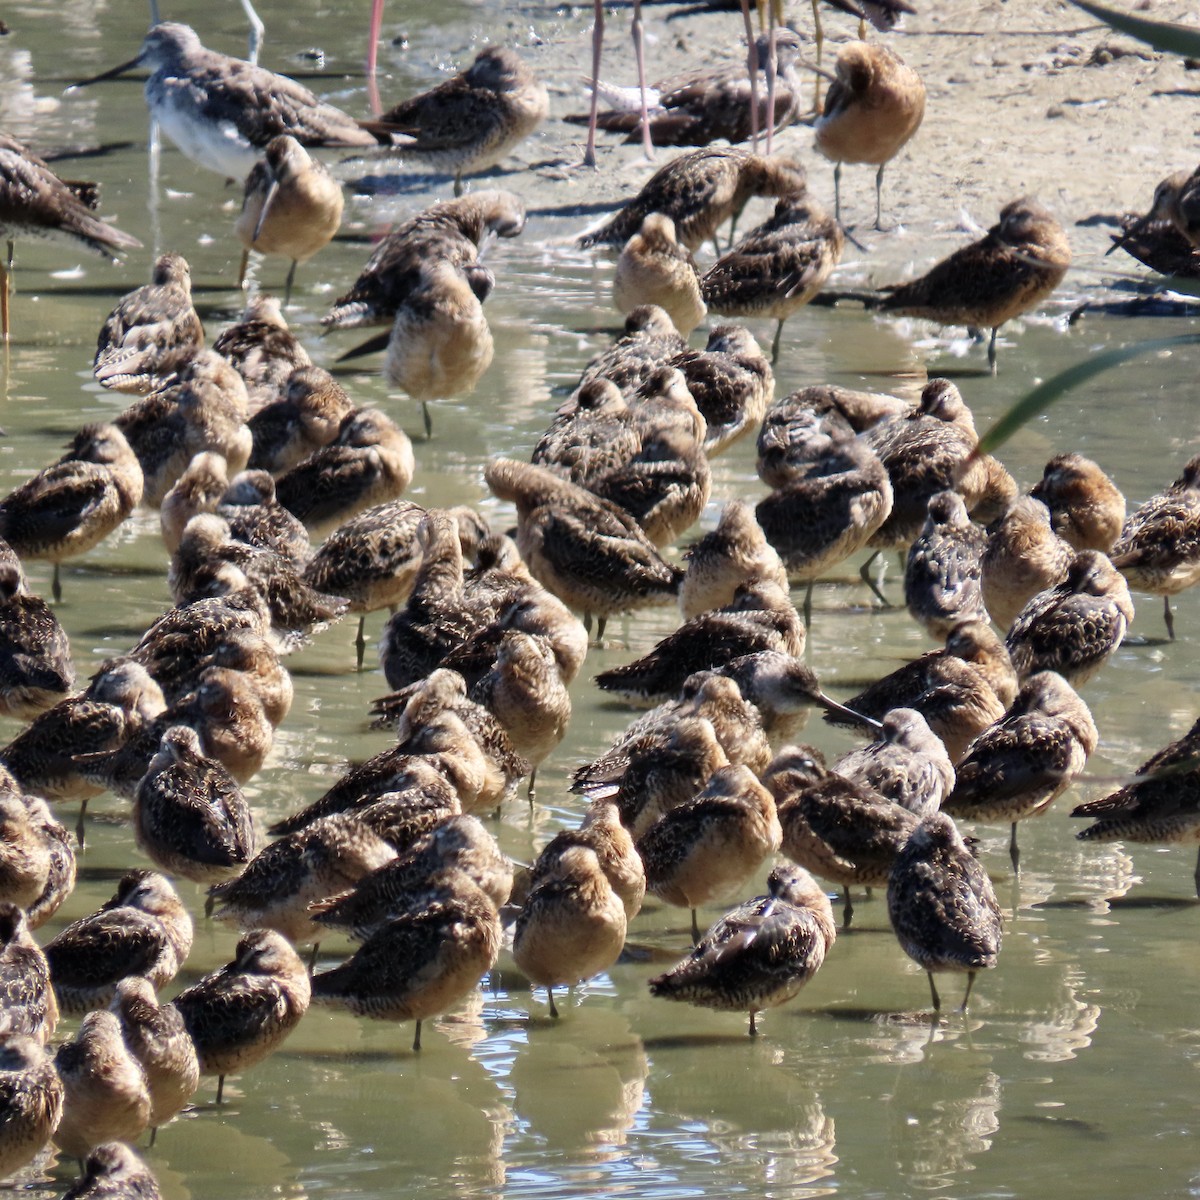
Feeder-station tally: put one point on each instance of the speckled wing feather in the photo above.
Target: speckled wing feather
(53, 504)
(152, 327)
(446, 117)
(1161, 533)
(735, 282)
(1059, 634)
(228, 1009)
(106, 947)
(854, 824)
(342, 472)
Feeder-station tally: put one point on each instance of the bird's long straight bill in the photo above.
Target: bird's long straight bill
(1129, 234)
(111, 73)
(847, 714)
(272, 190)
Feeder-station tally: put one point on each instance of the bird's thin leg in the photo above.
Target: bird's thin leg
(601, 622)
(695, 928)
(775, 342)
(879, 197)
(80, 826)
(417, 1037)
(819, 38)
(360, 642)
(220, 1088)
(550, 995)
(937, 1000)
(837, 192)
(1168, 618)
(752, 60)
(1014, 852)
(428, 420)
(967, 996)
(753, 1026)
(772, 71)
(312, 958)
(639, 54)
(257, 29)
(458, 185)
(6, 268)
(373, 56)
(589, 153)
(847, 907)
(56, 586)
(1197, 874)
(242, 269)
(532, 791)
(864, 573)
(153, 1134)
(992, 351)
(287, 287)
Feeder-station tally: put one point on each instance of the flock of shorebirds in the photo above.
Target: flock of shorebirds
(249, 451)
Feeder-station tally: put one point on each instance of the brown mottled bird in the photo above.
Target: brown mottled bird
(1019, 262)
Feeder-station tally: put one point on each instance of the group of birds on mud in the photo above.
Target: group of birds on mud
(249, 451)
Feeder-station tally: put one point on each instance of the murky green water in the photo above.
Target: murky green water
(1078, 1064)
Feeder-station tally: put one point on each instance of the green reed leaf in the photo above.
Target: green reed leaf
(1162, 35)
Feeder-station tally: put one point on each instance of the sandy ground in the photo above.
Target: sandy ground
(1023, 98)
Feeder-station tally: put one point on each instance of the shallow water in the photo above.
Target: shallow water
(1080, 1056)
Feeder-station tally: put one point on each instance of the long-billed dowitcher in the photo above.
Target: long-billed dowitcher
(1176, 201)
(371, 461)
(26, 990)
(254, 515)
(699, 191)
(36, 671)
(777, 267)
(596, 430)
(696, 108)
(31, 1099)
(470, 122)
(655, 269)
(1019, 766)
(198, 490)
(24, 853)
(708, 847)
(105, 1096)
(1087, 509)
(1159, 547)
(35, 203)
(455, 231)
(67, 508)
(942, 575)
(262, 349)
(760, 617)
(60, 875)
(1160, 805)
(908, 763)
(942, 905)
(221, 111)
(1023, 556)
(458, 843)
(733, 553)
(155, 1035)
(143, 930)
(572, 925)
(242, 1012)
(420, 962)
(1075, 627)
(292, 206)
(960, 690)
(759, 954)
(189, 815)
(307, 417)
(841, 828)
(873, 107)
(113, 1171)
(1020, 261)
(648, 339)
(152, 332)
(587, 551)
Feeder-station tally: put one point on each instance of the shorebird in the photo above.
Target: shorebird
(710, 846)
(143, 930)
(1023, 556)
(222, 111)
(291, 206)
(591, 554)
(1176, 201)
(1159, 547)
(655, 269)
(648, 340)
(35, 203)
(1087, 509)
(113, 1171)
(69, 507)
(254, 515)
(24, 853)
(307, 416)
(152, 332)
(696, 108)
(189, 815)
(239, 1014)
(36, 671)
(840, 828)
(759, 954)
(1076, 627)
(778, 267)
(942, 574)
(1020, 261)
(942, 905)
(907, 763)
(873, 107)
(456, 231)
(263, 350)
(1018, 767)
(572, 925)
(1161, 804)
(421, 962)
(31, 1101)
(155, 1035)
(26, 989)
(470, 122)
(700, 191)
(105, 1097)
(60, 874)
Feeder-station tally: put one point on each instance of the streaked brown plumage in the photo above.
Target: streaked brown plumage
(26, 991)
(36, 670)
(655, 269)
(31, 1099)
(1087, 509)
(262, 349)
(1023, 556)
(942, 575)
(309, 415)
(907, 763)
(114, 1172)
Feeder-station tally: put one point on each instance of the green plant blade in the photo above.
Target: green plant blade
(1162, 35)
(1045, 394)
